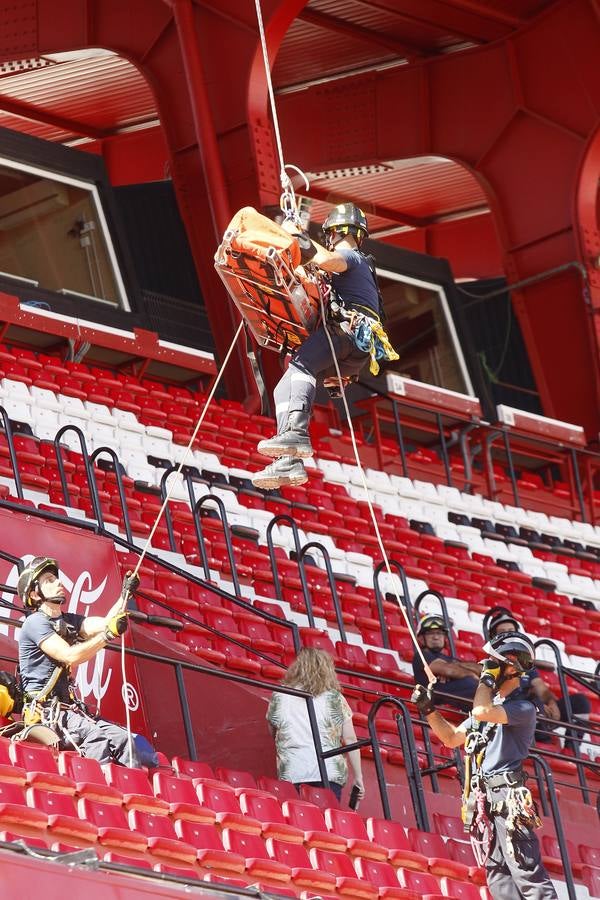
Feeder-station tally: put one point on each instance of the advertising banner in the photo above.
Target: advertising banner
(91, 575)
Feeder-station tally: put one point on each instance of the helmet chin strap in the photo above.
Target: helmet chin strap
(56, 601)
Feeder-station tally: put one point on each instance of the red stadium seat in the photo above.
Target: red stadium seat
(303, 874)
(41, 767)
(433, 846)
(283, 790)
(88, 777)
(62, 815)
(8, 770)
(113, 827)
(350, 825)
(182, 798)
(258, 862)
(235, 777)
(209, 847)
(450, 826)
(459, 890)
(162, 839)
(552, 859)
(419, 882)
(392, 835)
(590, 876)
(179, 871)
(310, 819)
(383, 876)
(320, 796)
(346, 881)
(192, 768)
(14, 811)
(462, 852)
(124, 860)
(268, 812)
(136, 789)
(227, 808)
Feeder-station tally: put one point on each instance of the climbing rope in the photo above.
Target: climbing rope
(288, 204)
(431, 677)
(287, 200)
(126, 687)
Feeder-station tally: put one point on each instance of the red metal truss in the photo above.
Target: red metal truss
(519, 114)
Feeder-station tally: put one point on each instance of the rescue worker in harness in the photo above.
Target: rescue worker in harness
(50, 643)
(498, 809)
(355, 326)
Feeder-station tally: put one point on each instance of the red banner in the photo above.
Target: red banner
(91, 575)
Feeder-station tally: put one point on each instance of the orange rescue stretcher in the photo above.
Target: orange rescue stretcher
(259, 265)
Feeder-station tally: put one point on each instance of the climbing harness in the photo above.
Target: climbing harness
(479, 805)
(473, 810)
(365, 330)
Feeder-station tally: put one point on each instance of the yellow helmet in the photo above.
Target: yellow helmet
(29, 577)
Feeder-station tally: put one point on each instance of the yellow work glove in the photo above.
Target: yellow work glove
(116, 626)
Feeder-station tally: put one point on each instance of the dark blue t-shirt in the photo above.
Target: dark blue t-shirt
(356, 286)
(511, 743)
(460, 687)
(35, 666)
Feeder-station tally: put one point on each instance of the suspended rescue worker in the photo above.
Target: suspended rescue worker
(51, 641)
(355, 327)
(499, 811)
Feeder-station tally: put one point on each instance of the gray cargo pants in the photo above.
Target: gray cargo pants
(97, 738)
(295, 391)
(523, 876)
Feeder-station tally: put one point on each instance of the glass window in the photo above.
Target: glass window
(420, 327)
(53, 232)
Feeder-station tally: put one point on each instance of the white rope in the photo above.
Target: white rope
(429, 673)
(287, 200)
(186, 453)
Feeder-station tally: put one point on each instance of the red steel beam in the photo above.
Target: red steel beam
(342, 26)
(35, 113)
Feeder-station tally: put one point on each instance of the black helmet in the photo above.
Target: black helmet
(512, 647)
(498, 615)
(29, 577)
(346, 218)
(431, 623)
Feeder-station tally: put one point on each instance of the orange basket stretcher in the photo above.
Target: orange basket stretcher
(258, 263)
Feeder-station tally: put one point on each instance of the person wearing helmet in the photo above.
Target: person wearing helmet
(538, 691)
(356, 333)
(502, 722)
(457, 680)
(50, 643)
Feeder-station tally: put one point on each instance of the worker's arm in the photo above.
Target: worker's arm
(450, 735)
(484, 709)
(328, 260)
(543, 693)
(65, 655)
(94, 625)
(443, 668)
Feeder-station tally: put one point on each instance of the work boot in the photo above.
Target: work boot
(294, 441)
(285, 470)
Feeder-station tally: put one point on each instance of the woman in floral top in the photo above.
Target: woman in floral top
(313, 671)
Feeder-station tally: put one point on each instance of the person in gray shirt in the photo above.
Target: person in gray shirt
(50, 643)
(500, 729)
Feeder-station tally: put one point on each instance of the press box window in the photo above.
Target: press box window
(53, 233)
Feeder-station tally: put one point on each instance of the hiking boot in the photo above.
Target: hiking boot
(285, 470)
(288, 443)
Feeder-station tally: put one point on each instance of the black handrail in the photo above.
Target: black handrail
(120, 486)
(394, 564)
(12, 452)
(227, 533)
(541, 763)
(291, 523)
(89, 471)
(317, 545)
(429, 592)
(189, 480)
(568, 711)
(167, 511)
